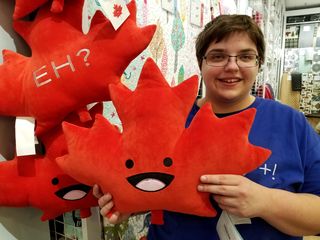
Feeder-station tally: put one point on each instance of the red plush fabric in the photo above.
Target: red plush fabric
(24, 7)
(67, 69)
(39, 182)
(155, 163)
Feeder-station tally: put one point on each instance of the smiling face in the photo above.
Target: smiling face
(228, 88)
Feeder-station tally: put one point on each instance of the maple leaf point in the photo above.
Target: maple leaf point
(117, 10)
(23, 7)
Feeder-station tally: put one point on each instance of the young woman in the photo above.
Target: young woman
(280, 199)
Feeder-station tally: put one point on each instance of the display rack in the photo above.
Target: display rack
(302, 56)
(272, 18)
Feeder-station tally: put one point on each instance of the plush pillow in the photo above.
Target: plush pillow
(24, 7)
(39, 182)
(155, 163)
(67, 69)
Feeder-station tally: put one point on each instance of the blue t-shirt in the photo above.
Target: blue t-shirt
(294, 165)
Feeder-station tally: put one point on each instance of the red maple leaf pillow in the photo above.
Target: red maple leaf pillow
(38, 181)
(155, 163)
(67, 69)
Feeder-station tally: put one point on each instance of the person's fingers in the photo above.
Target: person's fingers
(226, 201)
(114, 218)
(229, 209)
(221, 179)
(105, 210)
(105, 199)
(224, 190)
(97, 191)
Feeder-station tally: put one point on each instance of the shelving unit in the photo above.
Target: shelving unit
(273, 12)
(302, 55)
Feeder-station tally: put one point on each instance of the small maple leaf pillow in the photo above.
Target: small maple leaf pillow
(155, 163)
(38, 181)
(67, 69)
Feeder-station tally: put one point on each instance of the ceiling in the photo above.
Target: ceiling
(301, 4)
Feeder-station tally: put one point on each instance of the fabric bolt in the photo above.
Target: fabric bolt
(287, 96)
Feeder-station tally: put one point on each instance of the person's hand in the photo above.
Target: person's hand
(236, 194)
(106, 204)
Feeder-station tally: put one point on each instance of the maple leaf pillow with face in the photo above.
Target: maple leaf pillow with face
(155, 163)
(37, 181)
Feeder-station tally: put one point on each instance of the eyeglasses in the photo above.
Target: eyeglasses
(222, 59)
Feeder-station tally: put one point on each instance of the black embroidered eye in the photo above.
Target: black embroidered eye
(55, 181)
(129, 163)
(167, 162)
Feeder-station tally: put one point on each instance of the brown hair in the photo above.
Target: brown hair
(225, 25)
